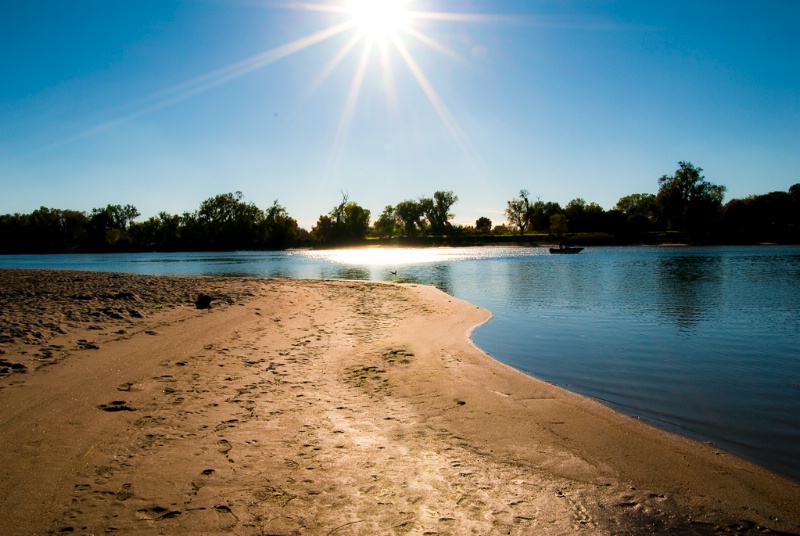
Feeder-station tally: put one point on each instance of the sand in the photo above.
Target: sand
(321, 407)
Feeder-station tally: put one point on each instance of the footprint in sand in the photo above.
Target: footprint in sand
(116, 405)
(227, 519)
(224, 446)
(156, 513)
(202, 480)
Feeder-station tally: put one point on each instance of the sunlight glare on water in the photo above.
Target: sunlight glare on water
(397, 256)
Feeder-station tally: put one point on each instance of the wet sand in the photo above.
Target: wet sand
(321, 407)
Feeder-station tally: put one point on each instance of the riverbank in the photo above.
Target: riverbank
(321, 407)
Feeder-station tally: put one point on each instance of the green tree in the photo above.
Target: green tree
(437, 211)
(324, 231)
(385, 225)
(583, 216)
(356, 222)
(559, 225)
(640, 212)
(47, 229)
(408, 215)
(575, 208)
(517, 211)
(687, 201)
(162, 232)
(638, 205)
(347, 222)
(483, 225)
(227, 222)
(540, 212)
(767, 217)
(281, 230)
(109, 225)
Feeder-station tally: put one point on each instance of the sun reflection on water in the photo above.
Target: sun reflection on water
(384, 256)
(391, 256)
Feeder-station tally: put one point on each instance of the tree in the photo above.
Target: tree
(346, 222)
(408, 215)
(558, 225)
(324, 231)
(767, 217)
(640, 213)
(483, 225)
(794, 193)
(161, 232)
(540, 212)
(584, 217)
(517, 211)
(115, 216)
(638, 205)
(356, 222)
(109, 225)
(227, 222)
(385, 225)
(687, 201)
(281, 229)
(437, 211)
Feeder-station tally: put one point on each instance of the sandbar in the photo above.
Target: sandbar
(322, 407)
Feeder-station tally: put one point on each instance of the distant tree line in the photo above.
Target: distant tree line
(686, 207)
(223, 222)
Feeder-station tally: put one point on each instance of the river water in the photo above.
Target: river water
(704, 342)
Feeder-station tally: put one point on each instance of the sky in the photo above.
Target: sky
(162, 104)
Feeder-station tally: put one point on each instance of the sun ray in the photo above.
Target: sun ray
(308, 6)
(381, 25)
(348, 111)
(226, 74)
(435, 45)
(392, 104)
(462, 17)
(200, 84)
(333, 63)
(439, 106)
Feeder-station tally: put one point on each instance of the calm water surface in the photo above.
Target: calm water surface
(700, 341)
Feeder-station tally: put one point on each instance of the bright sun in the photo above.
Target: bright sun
(378, 19)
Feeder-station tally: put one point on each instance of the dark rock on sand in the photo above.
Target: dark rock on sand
(203, 301)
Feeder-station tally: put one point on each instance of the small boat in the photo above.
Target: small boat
(565, 250)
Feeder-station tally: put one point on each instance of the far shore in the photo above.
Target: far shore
(456, 240)
(322, 407)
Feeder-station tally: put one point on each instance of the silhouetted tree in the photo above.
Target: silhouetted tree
(226, 222)
(408, 216)
(559, 225)
(540, 212)
(347, 222)
(641, 214)
(638, 205)
(584, 217)
(483, 225)
(281, 230)
(385, 225)
(437, 211)
(162, 232)
(324, 231)
(687, 201)
(109, 225)
(767, 217)
(518, 210)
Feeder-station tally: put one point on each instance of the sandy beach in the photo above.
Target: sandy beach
(322, 407)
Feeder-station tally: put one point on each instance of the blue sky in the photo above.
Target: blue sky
(164, 103)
